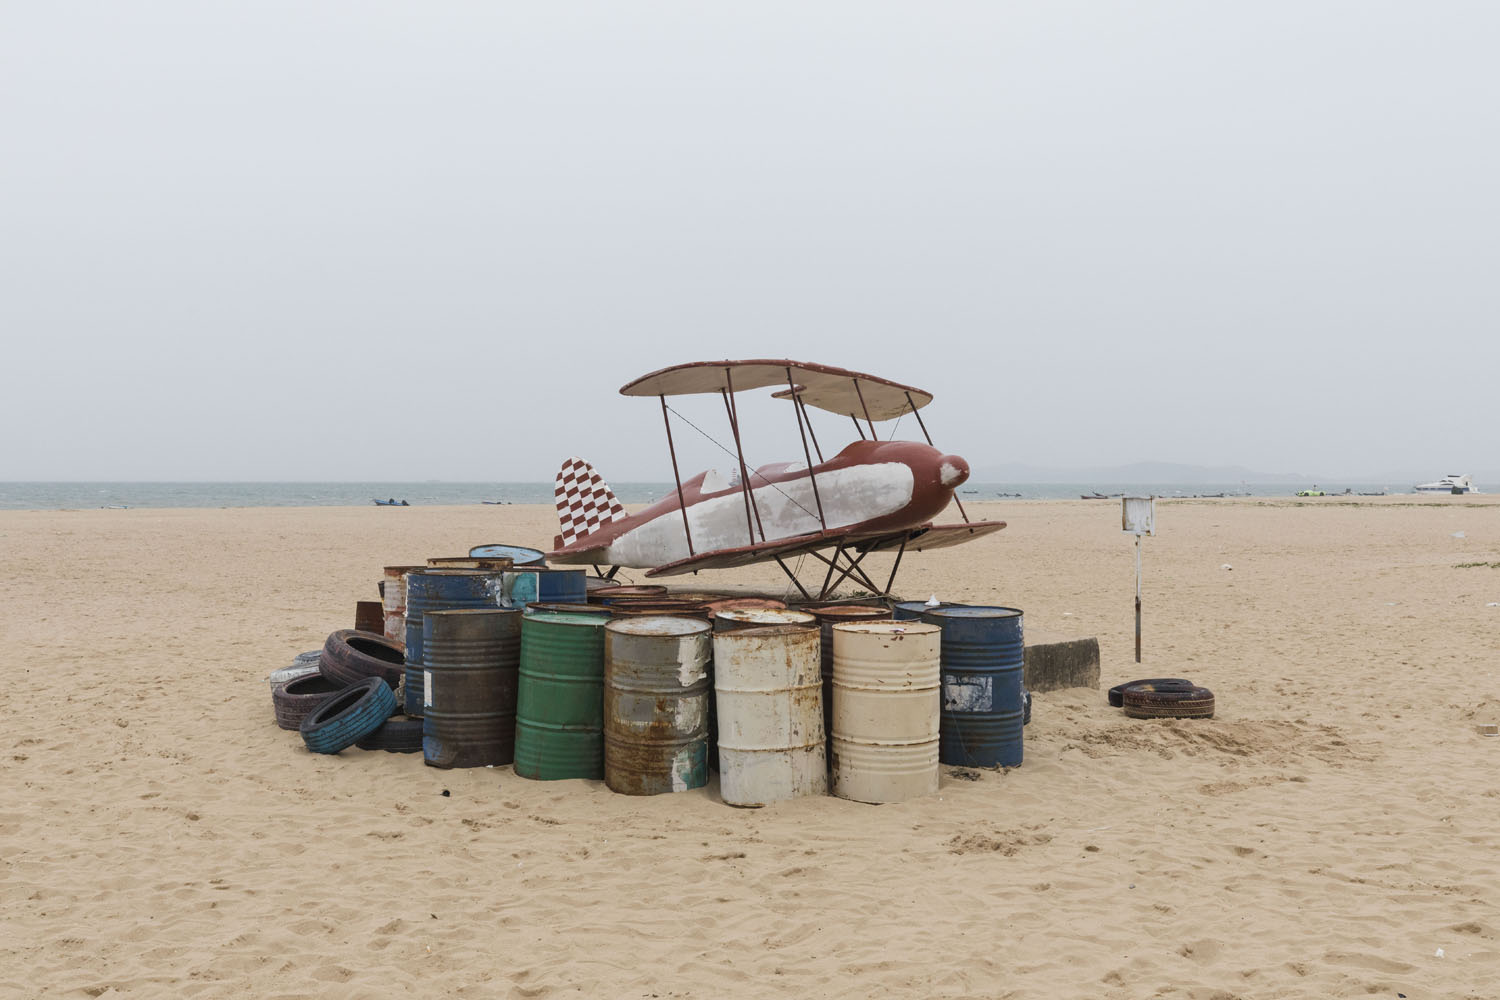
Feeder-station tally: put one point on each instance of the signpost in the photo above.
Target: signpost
(1138, 517)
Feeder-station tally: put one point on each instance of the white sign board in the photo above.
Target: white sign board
(1138, 515)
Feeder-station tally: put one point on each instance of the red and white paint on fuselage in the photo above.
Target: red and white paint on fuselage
(869, 486)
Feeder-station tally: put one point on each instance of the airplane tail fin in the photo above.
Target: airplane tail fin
(584, 501)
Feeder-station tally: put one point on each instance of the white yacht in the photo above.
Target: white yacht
(1451, 483)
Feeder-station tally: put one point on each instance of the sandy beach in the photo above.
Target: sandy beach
(1331, 832)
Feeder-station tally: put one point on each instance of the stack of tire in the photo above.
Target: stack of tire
(1163, 698)
(351, 698)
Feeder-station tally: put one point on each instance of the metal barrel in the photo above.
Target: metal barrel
(984, 653)
(744, 604)
(470, 660)
(560, 706)
(656, 693)
(886, 698)
(553, 586)
(827, 618)
(770, 699)
(734, 619)
(369, 616)
(604, 595)
(468, 562)
(914, 610)
(519, 555)
(439, 590)
(393, 599)
(545, 607)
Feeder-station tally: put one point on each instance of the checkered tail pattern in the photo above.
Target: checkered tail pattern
(584, 501)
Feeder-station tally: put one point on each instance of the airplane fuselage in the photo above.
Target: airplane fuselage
(870, 486)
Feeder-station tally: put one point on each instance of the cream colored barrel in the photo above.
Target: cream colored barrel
(769, 694)
(393, 600)
(887, 702)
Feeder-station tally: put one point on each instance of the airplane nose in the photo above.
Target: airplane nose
(952, 471)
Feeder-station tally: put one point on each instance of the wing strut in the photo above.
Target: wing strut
(810, 432)
(811, 473)
(860, 393)
(922, 424)
(739, 451)
(677, 476)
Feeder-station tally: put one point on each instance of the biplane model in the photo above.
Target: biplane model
(872, 496)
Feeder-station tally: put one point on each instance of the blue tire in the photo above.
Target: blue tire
(348, 716)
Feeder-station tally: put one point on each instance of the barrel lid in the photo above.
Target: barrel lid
(661, 625)
(923, 606)
(974, 611)
(435, 571)
(563, 608)
(519, 554)
(847, 612)
(400, 570)
(745, 603)
(567, 618)
(767, 616)
(887, 628)
(469, 562)
(474, 611)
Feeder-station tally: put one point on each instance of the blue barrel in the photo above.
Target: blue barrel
(911, 610)
(984, 654)
(546, 586)
(519, 555)
(440, 590)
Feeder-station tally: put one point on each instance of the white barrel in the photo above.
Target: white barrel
(393, 601)
(769, 694)
(887, 703)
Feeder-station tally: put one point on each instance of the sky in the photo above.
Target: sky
(406, 241)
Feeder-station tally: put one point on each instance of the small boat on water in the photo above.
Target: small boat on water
(390, 503)
(1314, 492)
(1451, 483)
(1100, 496)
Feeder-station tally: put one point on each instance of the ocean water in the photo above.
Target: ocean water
(82, 496)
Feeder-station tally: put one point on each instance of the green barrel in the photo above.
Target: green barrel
(560, 702)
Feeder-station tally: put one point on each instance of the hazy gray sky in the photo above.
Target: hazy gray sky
(426, 240)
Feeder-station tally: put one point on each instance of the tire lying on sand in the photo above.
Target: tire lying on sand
(348, 716)
(349, 656)
(398, 734)
(296, 699)
(1192, 703)
(304, 664)
(1117, 693)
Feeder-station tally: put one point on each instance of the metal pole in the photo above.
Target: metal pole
(681, 505)
(740, 455)
(811, 474)
(1138, 598)
(858, 392)
(857, 428)
(807, 418)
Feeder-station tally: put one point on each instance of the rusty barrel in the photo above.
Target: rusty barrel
(914, 610)
(770, 701)
(393, 600)
(827, 617)
(468, 562)
(470, 662)
(607, 595)
(439, 590)
(733, 619)
(656, 693)
(744, 604)
(369, 616)
(984, 654)
(886, 710)
(560, 705)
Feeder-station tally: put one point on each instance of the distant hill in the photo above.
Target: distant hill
(1135, 472)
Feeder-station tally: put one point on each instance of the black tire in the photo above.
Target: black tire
(349, 716)
(349, 656)
(1116, 693)
(1194, 703)
(398, 734)
(295, 700)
